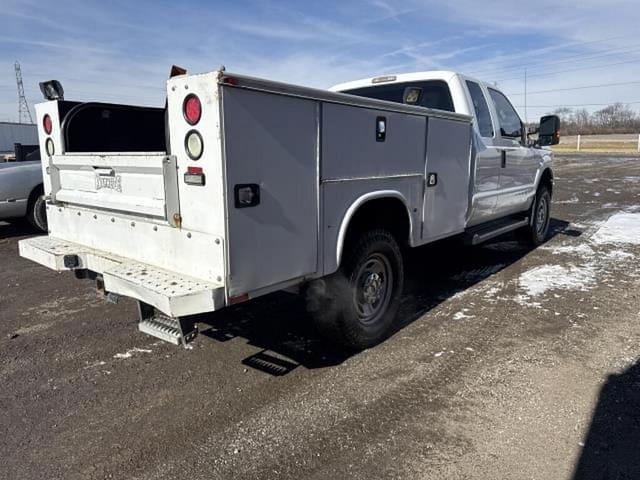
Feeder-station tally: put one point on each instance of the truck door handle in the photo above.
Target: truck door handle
(503, 158)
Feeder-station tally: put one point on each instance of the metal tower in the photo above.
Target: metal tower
(24, 113)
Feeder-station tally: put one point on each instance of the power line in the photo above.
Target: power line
(570, 59)
(568, 70)
(579, 105)
(577, 88)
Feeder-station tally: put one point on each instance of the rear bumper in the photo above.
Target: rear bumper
(174, 294)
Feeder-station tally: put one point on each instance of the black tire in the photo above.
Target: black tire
(536, 232)
(37, 211)
(356, 306)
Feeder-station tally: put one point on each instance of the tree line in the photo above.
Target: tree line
(614, 118)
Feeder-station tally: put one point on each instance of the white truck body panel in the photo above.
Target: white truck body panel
(314, 156)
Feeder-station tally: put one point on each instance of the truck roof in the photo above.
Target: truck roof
(444, 75)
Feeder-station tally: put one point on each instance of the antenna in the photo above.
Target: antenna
(526, 120)
(24, 113)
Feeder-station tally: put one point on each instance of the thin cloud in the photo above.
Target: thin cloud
(122, 53)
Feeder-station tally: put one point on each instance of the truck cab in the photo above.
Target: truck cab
(506, 166)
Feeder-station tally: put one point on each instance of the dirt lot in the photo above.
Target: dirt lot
(507, 364)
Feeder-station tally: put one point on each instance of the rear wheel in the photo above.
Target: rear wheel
(536, 232)
(37, 210)
(358, 304)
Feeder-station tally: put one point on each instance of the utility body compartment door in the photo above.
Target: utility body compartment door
(447, 186)
(270, 146)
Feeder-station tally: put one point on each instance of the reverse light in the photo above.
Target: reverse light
(193, 145)
(47, 124)
(48, 145)
(192, 109)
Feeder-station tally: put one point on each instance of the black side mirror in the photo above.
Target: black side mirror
(549, 132)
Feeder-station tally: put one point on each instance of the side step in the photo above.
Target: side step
(496, 230)
(178, 331)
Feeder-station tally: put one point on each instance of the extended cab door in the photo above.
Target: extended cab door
(487, 157)
(518, 163)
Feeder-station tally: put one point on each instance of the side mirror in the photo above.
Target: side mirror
(549, 132)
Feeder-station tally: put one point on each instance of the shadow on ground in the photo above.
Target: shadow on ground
(17, 229)
(612, 446)
(279, 325)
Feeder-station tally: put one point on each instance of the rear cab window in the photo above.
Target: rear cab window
(430, 94)
(481, 109)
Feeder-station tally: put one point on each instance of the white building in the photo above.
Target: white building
(11, 133)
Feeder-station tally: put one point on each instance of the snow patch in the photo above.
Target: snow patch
(619, 255)
(582, 249)
(619, 228)
(550, 277)
(573, 199)
(129, 353)
(462, 314)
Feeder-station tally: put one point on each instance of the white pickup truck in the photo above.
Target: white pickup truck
(243, 186)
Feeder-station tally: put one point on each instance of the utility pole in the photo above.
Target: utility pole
(526, 120)
(24, 113)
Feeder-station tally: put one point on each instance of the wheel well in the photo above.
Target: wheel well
(547, 180)
(37, 191)
(388, 213)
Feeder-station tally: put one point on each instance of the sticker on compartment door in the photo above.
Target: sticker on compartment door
(109, 181)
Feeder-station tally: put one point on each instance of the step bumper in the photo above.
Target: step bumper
(172, 293)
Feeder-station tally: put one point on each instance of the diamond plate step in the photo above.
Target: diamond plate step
(177, 331)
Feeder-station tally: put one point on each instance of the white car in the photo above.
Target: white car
(22, 194)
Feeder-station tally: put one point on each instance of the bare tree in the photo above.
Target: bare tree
(614, 118)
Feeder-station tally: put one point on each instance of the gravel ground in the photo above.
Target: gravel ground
(507, 363)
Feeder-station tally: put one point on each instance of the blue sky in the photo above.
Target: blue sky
(121, 51)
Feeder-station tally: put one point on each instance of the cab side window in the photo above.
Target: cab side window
(508, 119)
(481, 108)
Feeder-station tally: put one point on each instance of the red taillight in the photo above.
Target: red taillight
(192, 109)
(47, 124)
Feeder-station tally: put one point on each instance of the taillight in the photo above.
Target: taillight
(193, 145)
(47, 124)
(192, 109)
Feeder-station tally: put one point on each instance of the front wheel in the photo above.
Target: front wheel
(359, 303)
(536, 232)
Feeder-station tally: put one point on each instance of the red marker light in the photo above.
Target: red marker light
(47, 124)
(192, 109)
(194, 176)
